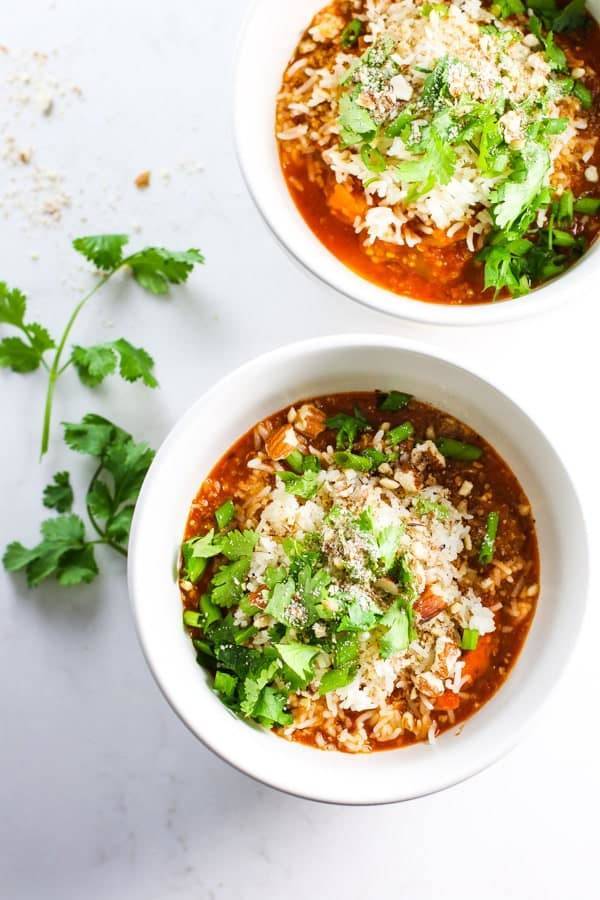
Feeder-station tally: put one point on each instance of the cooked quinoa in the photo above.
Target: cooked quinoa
(364, 584)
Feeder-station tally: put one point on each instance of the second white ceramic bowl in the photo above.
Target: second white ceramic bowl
(228, 410)
(278, 26)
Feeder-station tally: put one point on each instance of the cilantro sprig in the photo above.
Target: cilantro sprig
(154, 269)
(65, 550)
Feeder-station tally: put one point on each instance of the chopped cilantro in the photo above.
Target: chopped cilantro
(336, 678)
(351, 33)
(348, 428)
(270, 708)
(356, 124)
(435, 166)
(227, 583)
(347, 460)
(396, 635)
(282, 595)
(304, 486)
(388, 543)
(360, 615)
(237, 544)
(425, 507)
(521, 189)
(298, 657)
(395, 401)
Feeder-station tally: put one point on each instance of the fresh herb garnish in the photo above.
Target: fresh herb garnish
(154, 268)
(65, 551)
(453, 449)
(348, 428)
(351, 33)
(486, 552)
(395, 401)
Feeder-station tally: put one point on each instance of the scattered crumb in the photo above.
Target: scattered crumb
(143, 180)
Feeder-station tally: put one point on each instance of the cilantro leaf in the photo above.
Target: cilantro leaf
(59, 494)
(506, 265)
(15, 354)
(237, 544)
(435, 86)
(105, 251)
(298, 657)
(254, 684)
(519, 192)
(204, 547)
(435, 167)
(227, 583)
(359, 616)
(155, 268)
(388, 544)
(396, 636)
(337, 678)
(62, 552)
(95, 363)
(12, 305)
(395, 401)
(270, 708)
(281, 597)
(92, 435)
(135, 364)
(356, 123)
(303, 486)
(348, 428)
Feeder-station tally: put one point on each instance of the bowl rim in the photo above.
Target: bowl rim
(281, 782)
(343, 279)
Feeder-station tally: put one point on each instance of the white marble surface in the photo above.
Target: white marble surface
(103, 793)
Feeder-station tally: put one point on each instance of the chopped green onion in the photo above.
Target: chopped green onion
(486, 553)
(192, 619)
(583, 94)
(225, 684)
(351, 33)
(565, 205)
(347, 460)
(296, 461)
(470, 639)
(400, 433)
(394, 401)
(225, 513)
(302, 464)
(193, 566)
(587, 206)
(563, 238)
(210, 611)
(453, 449)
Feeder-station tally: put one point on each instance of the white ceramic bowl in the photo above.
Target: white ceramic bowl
(278, 26)
(207, 430)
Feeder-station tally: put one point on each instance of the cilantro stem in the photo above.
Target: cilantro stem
(102, 534)
(55, 369)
